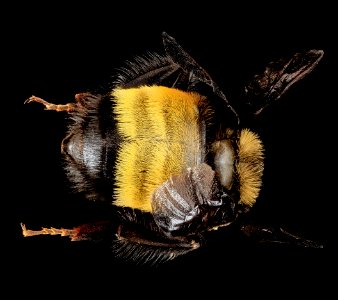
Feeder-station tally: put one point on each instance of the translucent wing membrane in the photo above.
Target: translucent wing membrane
(276, 79)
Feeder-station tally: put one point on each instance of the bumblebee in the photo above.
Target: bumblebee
(173, 156)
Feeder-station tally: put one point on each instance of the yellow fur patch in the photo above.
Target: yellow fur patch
(249, 166)
(161, 137)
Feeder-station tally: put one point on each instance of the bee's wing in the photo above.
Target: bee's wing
(175, 69)
(276, 79)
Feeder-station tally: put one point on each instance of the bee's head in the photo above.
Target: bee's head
(239, 165)
(249, 166)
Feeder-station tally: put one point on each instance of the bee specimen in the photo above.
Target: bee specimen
(173, 156)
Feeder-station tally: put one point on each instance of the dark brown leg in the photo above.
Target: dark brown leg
(277, 235)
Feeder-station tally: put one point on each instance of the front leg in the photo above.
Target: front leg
(276, 235)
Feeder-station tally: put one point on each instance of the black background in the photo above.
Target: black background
(55, 52)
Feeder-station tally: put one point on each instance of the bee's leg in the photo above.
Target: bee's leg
(150, 245)
(80, 101)
(50, 106)
(50, 231)
(268, 234)
(83, 232)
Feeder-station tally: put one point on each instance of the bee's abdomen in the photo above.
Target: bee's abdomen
(162, 134)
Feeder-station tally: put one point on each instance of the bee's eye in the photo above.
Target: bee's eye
(224, 162)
